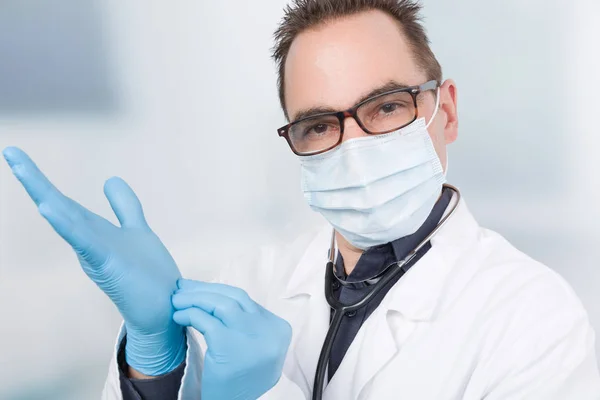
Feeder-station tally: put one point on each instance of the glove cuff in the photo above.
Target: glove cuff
(155, 354)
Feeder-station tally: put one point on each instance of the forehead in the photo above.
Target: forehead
(335, 64)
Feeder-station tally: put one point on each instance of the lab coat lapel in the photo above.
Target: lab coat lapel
(372, 348)
(311, 336)
(307, 286)
(377, 350)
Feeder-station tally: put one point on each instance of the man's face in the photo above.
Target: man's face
(337, 64)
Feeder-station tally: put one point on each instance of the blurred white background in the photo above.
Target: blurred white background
(179, 99)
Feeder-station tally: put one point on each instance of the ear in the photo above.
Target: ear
(448, 104)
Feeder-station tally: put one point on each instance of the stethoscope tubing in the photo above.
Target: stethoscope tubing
(339, 309)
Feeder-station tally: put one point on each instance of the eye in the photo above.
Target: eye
(389, 108)
(319, 130)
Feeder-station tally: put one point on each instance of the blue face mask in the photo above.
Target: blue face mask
(376, 189)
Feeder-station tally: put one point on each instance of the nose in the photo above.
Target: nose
(352, 130)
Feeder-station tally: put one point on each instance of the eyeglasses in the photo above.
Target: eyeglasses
(377, 115)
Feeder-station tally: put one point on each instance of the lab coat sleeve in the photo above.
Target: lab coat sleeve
(550, 354)
(190, 386)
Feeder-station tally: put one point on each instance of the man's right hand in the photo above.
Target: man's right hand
(130, 264)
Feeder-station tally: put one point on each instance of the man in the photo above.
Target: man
(470, 318)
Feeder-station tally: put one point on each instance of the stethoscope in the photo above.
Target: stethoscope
(378, 282)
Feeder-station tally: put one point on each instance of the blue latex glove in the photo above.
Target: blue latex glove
(130, 264)
(247, 344)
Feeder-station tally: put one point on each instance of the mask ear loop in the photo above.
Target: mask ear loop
(437, 106)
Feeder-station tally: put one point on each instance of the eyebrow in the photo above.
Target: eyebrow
(388, 87)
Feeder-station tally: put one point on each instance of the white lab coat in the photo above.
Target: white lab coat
(473, 319)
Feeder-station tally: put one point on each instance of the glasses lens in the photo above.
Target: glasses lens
(387, 113)
(315, 134)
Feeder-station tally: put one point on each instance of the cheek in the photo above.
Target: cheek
(436, 133)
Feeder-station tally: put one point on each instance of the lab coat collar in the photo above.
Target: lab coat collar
(416, 294)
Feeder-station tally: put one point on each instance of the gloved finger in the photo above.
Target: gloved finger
(33, 180)
(226, 309)
(200, 320)
(39, 188)
(239, 295)
(66, 216)
(125, 203)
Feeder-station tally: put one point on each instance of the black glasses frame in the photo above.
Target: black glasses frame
(414, 91)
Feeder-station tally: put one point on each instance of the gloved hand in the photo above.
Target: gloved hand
(130, 264)
(247, 344)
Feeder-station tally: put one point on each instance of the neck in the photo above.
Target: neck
(350, 253)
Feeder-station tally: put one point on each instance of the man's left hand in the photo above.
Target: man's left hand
(247, 344)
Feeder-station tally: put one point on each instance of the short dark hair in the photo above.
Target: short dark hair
(301, 15)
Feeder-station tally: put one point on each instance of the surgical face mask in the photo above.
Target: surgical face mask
(376, 189)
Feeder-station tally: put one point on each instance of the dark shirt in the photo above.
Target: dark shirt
(370, 263)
